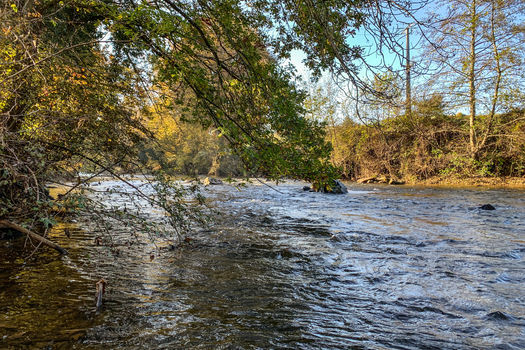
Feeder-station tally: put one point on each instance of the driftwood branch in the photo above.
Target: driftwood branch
(13, 226)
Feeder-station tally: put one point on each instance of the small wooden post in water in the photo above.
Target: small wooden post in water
(101, 289)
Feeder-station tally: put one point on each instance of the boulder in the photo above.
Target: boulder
(337, 188)
(211, 181)
(306, 188)
(487, 207)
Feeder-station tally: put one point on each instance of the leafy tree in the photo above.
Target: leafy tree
(216, 67)
(78, 79)
(62, 104)
(186, 148)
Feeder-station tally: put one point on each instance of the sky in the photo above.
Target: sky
(395, 61)
(297, 57)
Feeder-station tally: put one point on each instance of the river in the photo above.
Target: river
(381, 267)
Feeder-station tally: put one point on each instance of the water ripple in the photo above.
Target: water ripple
(379, 268)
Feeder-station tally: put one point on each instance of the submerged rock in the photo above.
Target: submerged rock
(306, 188)
(498, 316)
(211, 181)
(487, 207)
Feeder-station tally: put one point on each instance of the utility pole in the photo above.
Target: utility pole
(408, 100)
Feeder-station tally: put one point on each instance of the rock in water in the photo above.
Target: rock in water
(487, 207)
(211, 181)
(306, 188)
(339, 188)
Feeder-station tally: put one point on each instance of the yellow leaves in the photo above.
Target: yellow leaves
(164, 125)
(6, 30)
(235, 85)
(74, 77)
(32, 127)
(14, 8)
(8, 52)
(78, 79)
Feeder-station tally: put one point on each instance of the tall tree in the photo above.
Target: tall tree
(478, 50)
(62, 103)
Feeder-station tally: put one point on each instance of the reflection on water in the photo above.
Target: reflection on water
(379, 268)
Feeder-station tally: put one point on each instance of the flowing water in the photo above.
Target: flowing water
(378, 268)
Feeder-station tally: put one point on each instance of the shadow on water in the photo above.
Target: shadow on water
(43, 300)
(383, 267)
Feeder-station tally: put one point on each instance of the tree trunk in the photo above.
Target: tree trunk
(472, 82)
(499, 74)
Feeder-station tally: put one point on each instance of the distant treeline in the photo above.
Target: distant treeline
(429, 143)
(183, 148)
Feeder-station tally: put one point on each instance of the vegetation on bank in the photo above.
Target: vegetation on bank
(429, 144)
(464, 119)
(429, 147)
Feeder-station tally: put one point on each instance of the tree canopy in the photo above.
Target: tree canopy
(80, 78)
(84, 84)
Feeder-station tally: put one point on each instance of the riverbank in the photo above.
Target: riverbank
(448, 182)
(489, 182)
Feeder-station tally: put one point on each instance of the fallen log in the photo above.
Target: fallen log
(367, 180)
(16, 227)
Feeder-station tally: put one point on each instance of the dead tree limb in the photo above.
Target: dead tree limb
(13, 226)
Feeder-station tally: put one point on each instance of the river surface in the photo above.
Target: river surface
(378, 268)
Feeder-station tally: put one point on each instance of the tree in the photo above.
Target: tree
(185, 148)
(68, 103)
(478, 50)
(79, 77)
(63, 103)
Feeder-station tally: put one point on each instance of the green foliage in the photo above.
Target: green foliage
(430, 143)
(321, 29)
(214, 69)
(61, 104)
(80, 79)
